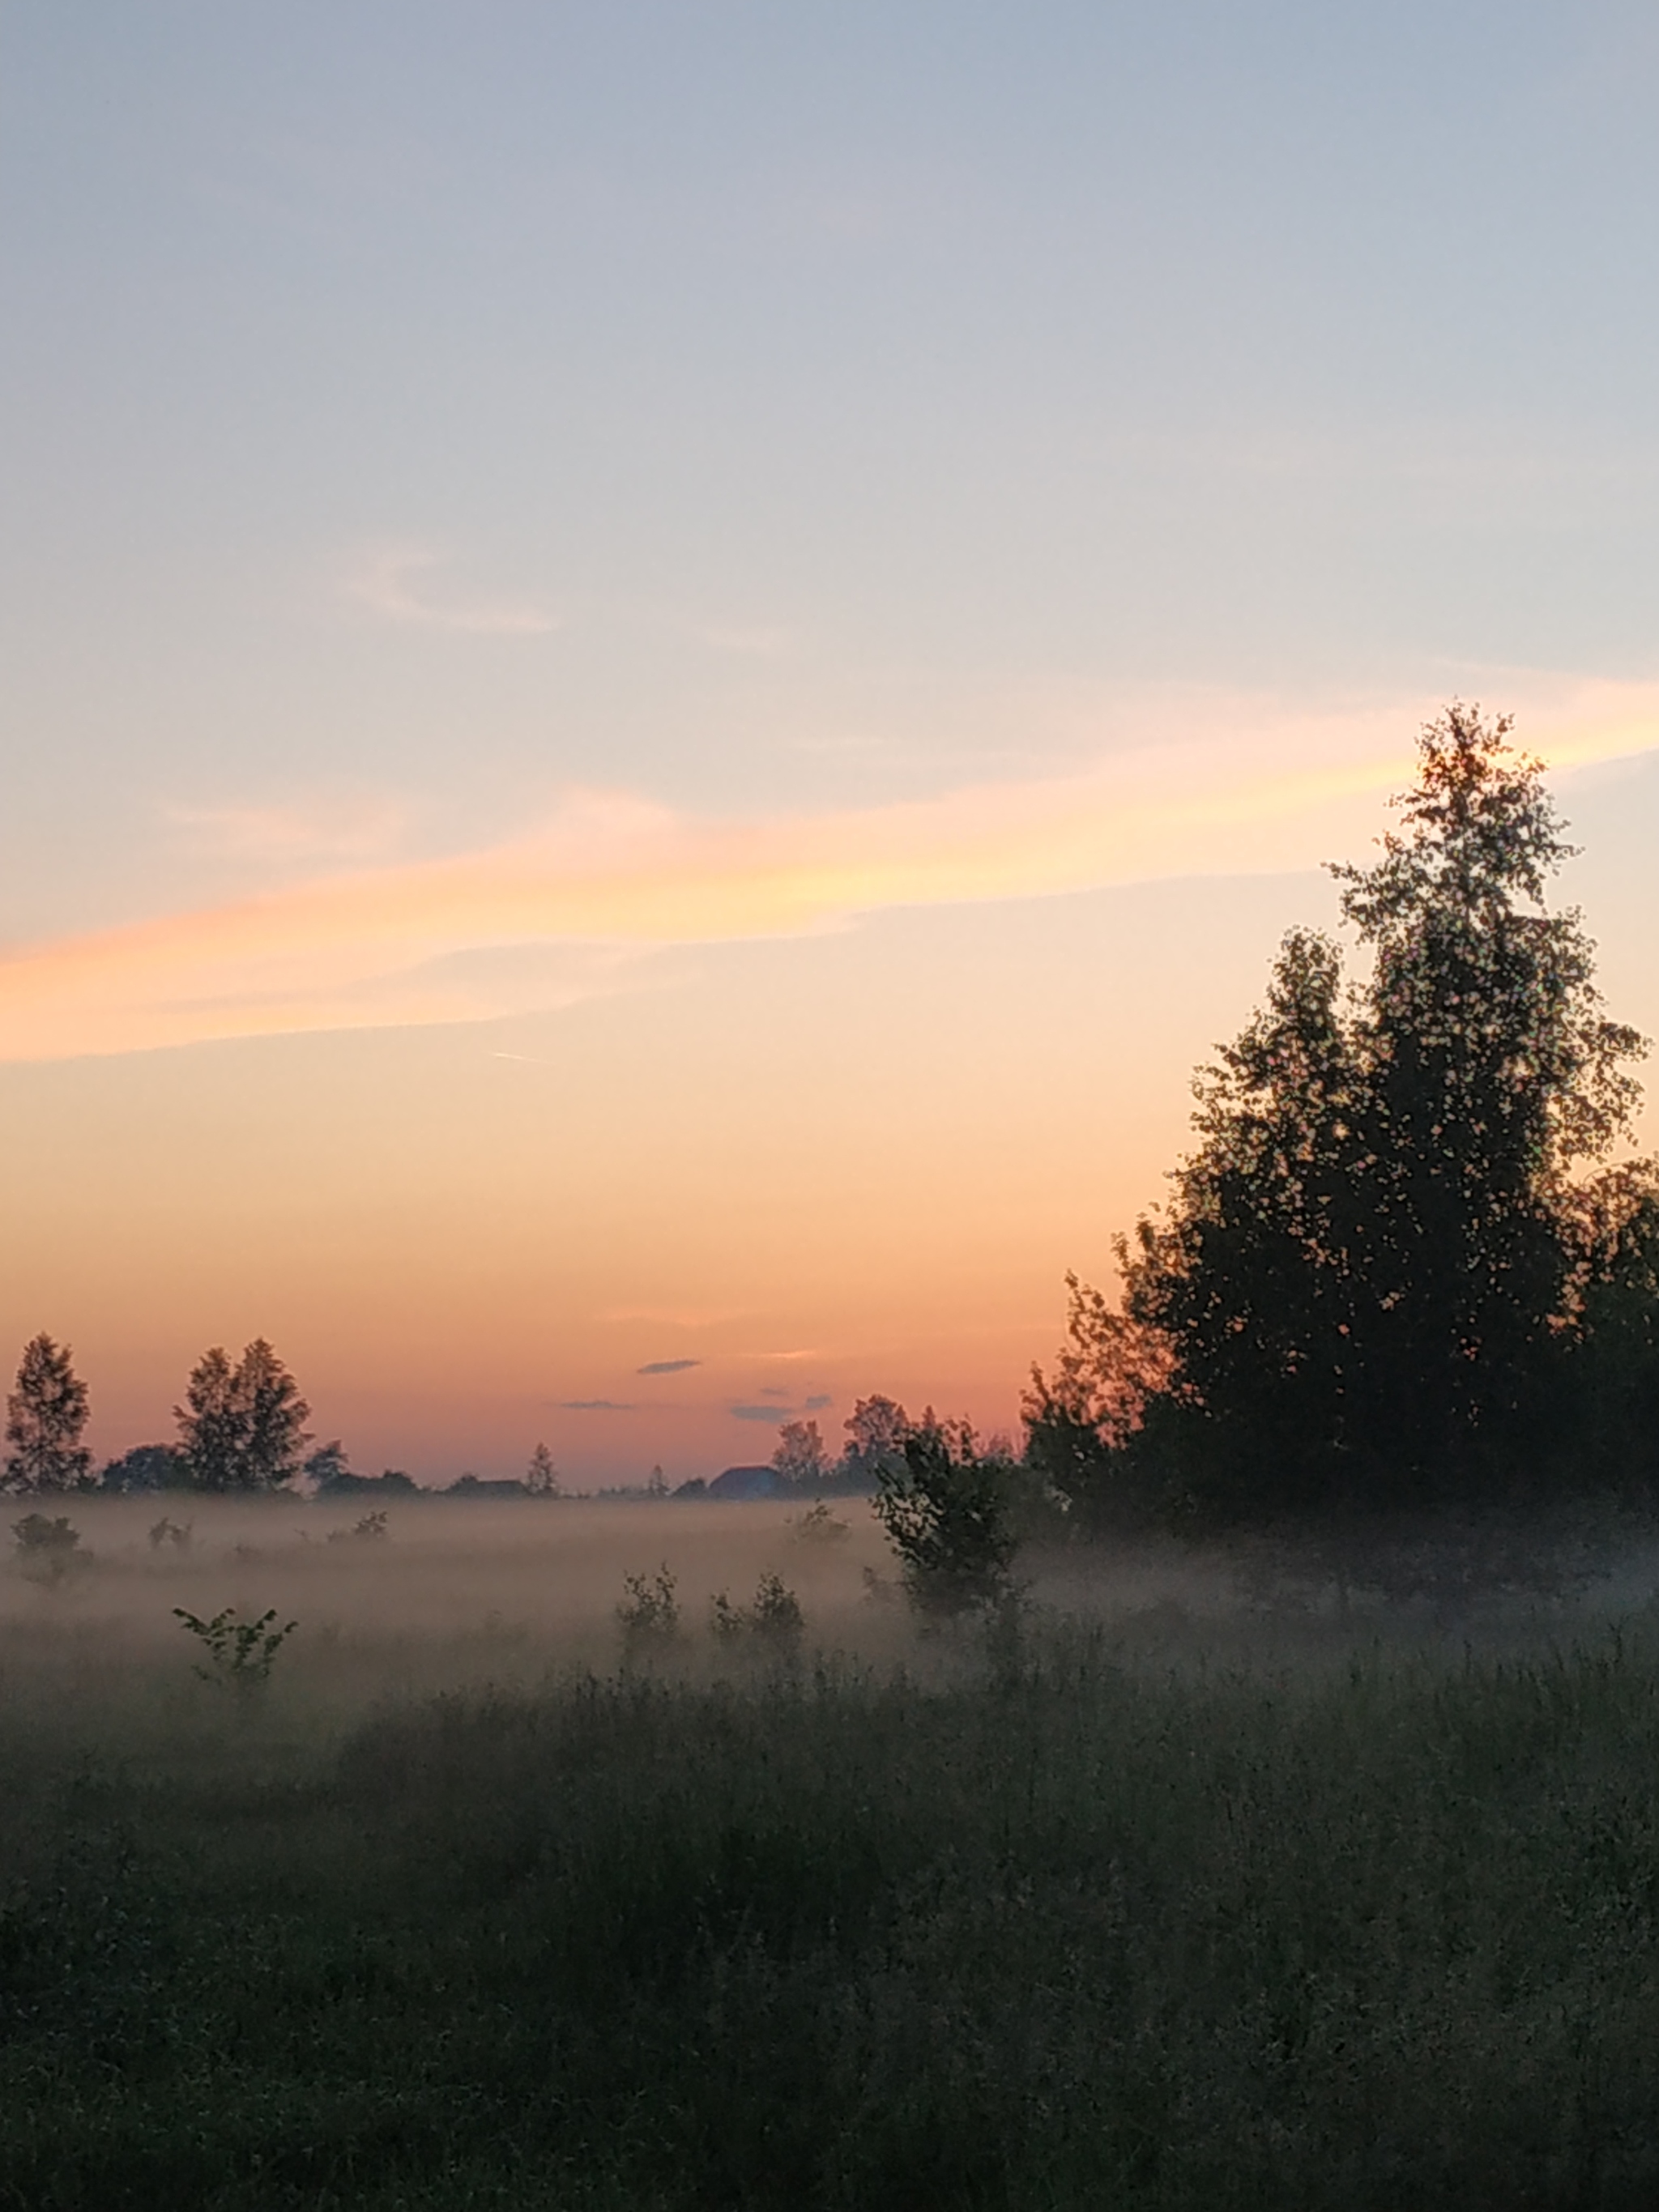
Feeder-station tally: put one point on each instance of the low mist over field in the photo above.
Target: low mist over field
(438, 1593)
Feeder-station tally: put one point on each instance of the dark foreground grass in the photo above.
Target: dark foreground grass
(1060, 1935)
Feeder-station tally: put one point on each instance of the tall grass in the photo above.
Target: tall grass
(1056, 1927)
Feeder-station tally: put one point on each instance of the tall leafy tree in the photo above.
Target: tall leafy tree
(1248, 1282)
(541, 1477)
(212, 1425)
(800, 1459)
(1081, 1415)
(242, 1428)
(1612, 1403)
(47, 1415)
(944, 1506)
(876, 1430)
(1491, 1075)
(276, 1414)
(1373, 1265)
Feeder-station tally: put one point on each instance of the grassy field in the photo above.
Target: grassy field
(1171, 1901)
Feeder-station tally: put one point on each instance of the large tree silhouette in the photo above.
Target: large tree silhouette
(1374, 1269)
(242, 1428)
(46, 1418)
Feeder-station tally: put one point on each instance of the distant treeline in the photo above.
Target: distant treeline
(1405, 1268)
(241, 1433)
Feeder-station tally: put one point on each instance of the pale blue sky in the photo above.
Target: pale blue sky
(839, 381)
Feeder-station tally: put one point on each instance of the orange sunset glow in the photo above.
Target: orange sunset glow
(605, 859)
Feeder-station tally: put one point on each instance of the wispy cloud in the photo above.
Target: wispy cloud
(773, 1413)
(404, 583)
(332, 830)
(472, 935)
(666, 1366)
(594, 1405)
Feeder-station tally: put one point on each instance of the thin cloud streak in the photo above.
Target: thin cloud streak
(384, 581)
(402, 945)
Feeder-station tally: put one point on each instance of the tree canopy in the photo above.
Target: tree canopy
(242, 1428)
(47, 1415)
(1377, 1274)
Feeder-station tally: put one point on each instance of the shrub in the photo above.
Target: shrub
(48, 1551)
(369, 1530)
(773, 1623)
(241, 1653)
(817, 1525)
(649, 1612)
(945, 1509)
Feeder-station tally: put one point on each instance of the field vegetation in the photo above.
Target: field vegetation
(1198, 1879)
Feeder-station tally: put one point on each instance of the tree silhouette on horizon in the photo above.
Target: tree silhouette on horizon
(1375, 1269)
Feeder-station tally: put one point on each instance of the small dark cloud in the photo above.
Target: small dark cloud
(774, 1390)
(594, 1405)
(666, 1366)
(756, 1413)
(817, 1405)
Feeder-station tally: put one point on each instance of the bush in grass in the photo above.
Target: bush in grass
(371, 1529)
(772, 1624)
(649, 1613)
(49, 1551)
(240, 1654)
(817, 1525)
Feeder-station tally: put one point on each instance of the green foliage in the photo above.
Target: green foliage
(1370, 1283)
(240, 1654)
(49, 1551)
(649, 1612)
(1377, 1936)
(1081, 1417)
(772, 1624)
(242, 1428)
(946, 1510)
(1611, 1403)
(46, 1414)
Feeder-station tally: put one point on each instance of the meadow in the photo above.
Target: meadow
(1198, 1882)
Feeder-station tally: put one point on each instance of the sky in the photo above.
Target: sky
(666, 663)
